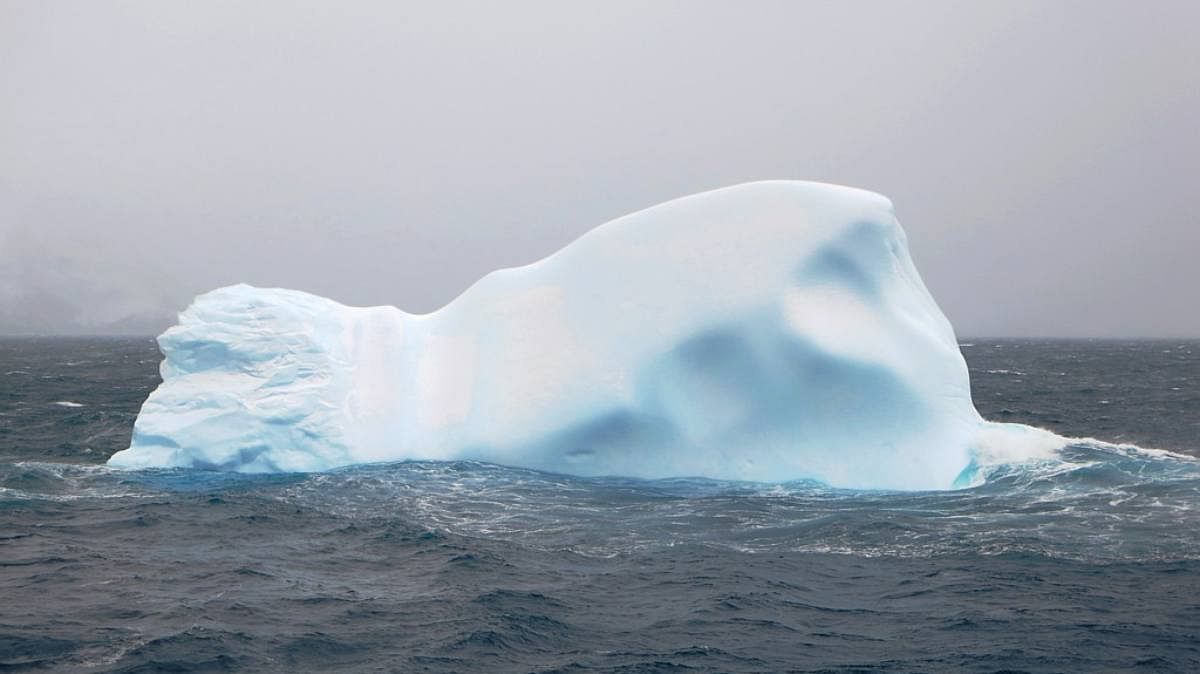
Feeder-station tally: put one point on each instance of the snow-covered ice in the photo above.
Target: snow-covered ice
(769, 331)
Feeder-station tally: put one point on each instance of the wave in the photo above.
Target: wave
(1086, 500)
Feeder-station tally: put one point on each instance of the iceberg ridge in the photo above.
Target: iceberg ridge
(769, 331)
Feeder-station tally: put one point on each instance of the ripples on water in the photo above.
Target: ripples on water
(1087, 563)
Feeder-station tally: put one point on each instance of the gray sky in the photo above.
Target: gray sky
(1044, 157)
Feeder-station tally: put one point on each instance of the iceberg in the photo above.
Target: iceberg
(770, 331)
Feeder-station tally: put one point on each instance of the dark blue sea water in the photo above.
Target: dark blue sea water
(1089, 563)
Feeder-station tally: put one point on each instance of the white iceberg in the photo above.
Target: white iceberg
(770, 331)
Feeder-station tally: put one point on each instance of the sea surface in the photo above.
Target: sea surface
(1090, 562)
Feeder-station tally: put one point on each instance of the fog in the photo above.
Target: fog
(1043, 156)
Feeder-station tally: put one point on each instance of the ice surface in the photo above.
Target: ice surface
(769, 331)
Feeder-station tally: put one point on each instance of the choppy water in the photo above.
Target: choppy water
(1089, 563)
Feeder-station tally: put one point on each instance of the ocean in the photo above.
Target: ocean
(1088, 563)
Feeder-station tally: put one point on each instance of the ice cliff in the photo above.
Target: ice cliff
(769, 331)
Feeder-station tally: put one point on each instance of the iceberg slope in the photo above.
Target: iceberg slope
(768, 331)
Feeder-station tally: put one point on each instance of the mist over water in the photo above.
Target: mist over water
(1088, 562)
(386, 154)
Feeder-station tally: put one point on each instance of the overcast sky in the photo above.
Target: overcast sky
(1044, 157)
